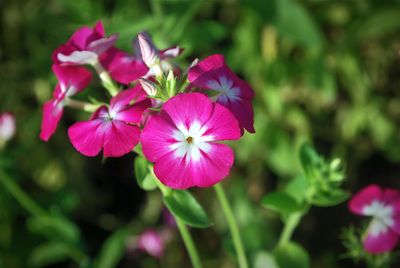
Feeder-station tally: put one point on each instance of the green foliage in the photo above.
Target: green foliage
(184, 206)
(292, 255)
(112, 250)
(144, 177)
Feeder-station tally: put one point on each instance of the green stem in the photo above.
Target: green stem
(290, 224)
(106, 80)
(189, 244)
(23, 199)
(233, 227)
(183, 230)
(81, 105)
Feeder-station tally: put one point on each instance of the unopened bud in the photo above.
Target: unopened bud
(7, 126)
(148, 86)
(148, 51)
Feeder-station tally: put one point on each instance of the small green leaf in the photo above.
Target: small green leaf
(264, 259)
(297, 188)
(184, 206)
(308, 159)
(49, 253)
(292, 255)
(112, 250)
(332, 197)
(281, 202)
(144, 178)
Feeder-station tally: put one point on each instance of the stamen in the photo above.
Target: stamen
(189, 140)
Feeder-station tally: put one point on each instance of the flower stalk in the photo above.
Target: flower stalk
(233, 227)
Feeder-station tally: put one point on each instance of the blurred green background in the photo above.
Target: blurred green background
(324, 71)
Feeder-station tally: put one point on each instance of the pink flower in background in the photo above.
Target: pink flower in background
(152, 57)
(151, 243)
(123, 68)
(383, 205)
(84, 46)
(113, 129)
(71, 80)
(182, 141)
(212, 73)
(7, 126)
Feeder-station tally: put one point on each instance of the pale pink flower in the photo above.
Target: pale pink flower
(213, 73)
(151, 243)
(71, 80)
(84, 46)
(7, 127)
(183, 141)
(115, 128)
(383, 205)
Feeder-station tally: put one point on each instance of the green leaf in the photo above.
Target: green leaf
(292, 255)
(332, 197)
(281, 202)
(309, 159)
(49, 253)
(184, 206)
(264, 259)
(144, 178)
(297, 188)
(294, 22)
(56, 228)
(112, 250)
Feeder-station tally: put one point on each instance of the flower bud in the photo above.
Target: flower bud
(148, 51)
(7, 126)
(151, 243)
(148, 86)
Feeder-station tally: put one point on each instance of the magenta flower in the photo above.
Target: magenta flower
(212, 73)
(383, 205)
(123, 68)
(182, 141)
(115, 128)
(7, 127)
(71, 80)
(151, 243)
(84, 46)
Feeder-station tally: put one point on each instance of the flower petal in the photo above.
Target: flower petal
(103, 44)
(88, 137)
(243, 111)
(222, 124)
(72, 78)
(212, 62)
(187, 108)
(365, 197)
(7, 126)
(156, 138)
(383, 242)
(210, 169)
(78, 57)
(120, 139)
(52, 113)
(122, 67)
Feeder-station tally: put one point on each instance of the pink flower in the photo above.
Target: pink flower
(113, 129)
(152, 56)
(71, 80)
(383, 205)
(212, 73)
(182, 141)
(151, 243)
(84, 46)
(7, 127)
(123, 68)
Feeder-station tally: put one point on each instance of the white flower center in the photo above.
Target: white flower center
(226, 89)
(191, 142)
(382, 217)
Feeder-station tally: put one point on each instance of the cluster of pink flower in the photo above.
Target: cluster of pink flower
(383, 205)
(179, 130)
